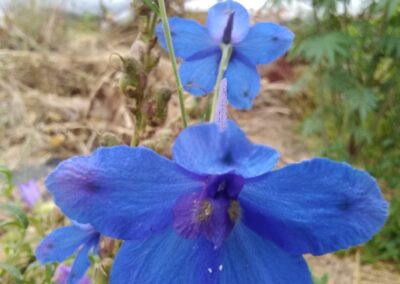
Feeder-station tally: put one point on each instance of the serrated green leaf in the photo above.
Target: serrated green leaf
(329, 47)
(362, 100)
(12, 270)
(19, 215)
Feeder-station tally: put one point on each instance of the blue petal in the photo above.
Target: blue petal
(81, 263)
(316, 206)
(165, 258)
(123, 192)
(265, 42)
(199, 73)
(203, 149)
(243, 81)
(61, 243)
(248, 258)
(218, 18)
(188, 37)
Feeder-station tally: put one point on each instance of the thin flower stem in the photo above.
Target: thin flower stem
(223, 64)
(168, 39)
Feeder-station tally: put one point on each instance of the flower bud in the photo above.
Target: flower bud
(158, 108)
(133, 80)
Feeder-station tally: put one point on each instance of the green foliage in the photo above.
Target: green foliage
(6, 184)
(353, 87)
(19, 217)
(21, 229)
(321, 280)
(328, 47)
(13, 271)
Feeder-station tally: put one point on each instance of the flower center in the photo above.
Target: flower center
(212, 212)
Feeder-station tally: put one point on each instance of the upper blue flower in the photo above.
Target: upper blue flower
(200, 48)
(218, 213)
(65, 241)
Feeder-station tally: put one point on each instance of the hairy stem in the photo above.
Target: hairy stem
(168, 39)
(223, 64)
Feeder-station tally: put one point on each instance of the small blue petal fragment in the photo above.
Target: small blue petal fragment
(248, 258)
(81, 263)
(123, 192)
(166, 258)
(218, 17)
(188, 37)
(243, 81)
(61, 243)
(317, 206)
(203, 149)
(199, 73)
(265, 42)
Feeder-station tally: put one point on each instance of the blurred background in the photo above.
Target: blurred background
(65, 65)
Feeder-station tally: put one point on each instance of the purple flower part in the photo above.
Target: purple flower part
(29, 193)
(186, 211)
(222, 217)
(63, 272)
(212, 212)
(228, 22)
(221, 114)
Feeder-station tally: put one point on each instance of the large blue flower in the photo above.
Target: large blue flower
(65, 241)
(200, 48)
(218, 213)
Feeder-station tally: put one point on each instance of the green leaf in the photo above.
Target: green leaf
(12, 270)
(311, 125)
(17, 213)
(6, 173)
(362, 100)
(390, 7)
(391, 45)
(327, 47)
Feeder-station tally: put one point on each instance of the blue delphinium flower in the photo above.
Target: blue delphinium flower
(65, 241)
(228, 23)
(217, 213)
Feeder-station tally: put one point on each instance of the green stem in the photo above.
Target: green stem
(135, 139)
(152, 25)
(168, 39)
(223, 64)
